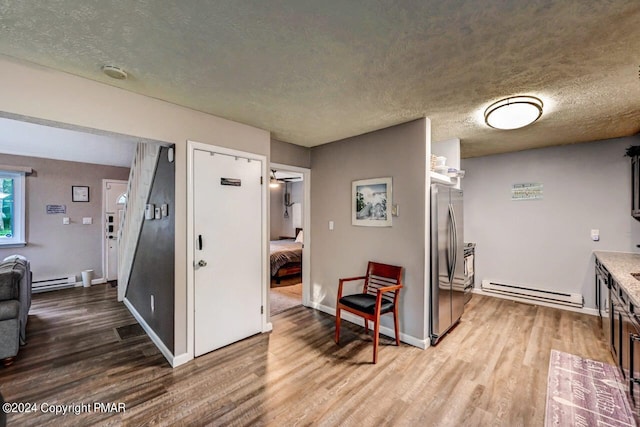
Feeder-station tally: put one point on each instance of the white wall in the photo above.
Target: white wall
(546, 243)
(37, 92)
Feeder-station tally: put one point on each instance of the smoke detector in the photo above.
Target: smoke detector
(114, 72)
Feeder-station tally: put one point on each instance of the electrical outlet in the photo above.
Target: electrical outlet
(65, 220)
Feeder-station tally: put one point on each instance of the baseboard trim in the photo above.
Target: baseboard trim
(384, 330)
(151, 333)
(268, 327)
(584, 310)
(181, 359)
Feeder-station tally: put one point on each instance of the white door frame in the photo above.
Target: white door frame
(306, 226)
(191, 147)
(104, 226)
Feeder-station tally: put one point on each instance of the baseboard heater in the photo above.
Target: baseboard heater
(551, 297)
(52, 284)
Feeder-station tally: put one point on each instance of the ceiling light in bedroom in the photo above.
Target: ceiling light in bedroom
(513, 113)
(273, 182)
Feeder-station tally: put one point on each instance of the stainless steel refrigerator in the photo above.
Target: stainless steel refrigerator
(447, 260)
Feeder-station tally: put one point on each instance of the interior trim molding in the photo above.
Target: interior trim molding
(151, 333)
(384, 330)
(181, 359)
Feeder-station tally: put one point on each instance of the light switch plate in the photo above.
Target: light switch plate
(595, 235)
(87, 220)
(330, 225)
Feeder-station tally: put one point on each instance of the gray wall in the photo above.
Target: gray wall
(398, 152)
(546, 243)
(56, 250)
(281, 226)
(290, 154)
(153, 266)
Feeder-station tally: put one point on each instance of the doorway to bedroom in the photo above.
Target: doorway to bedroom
(287, 201)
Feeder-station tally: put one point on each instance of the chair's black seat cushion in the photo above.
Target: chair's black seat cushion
(366, 303)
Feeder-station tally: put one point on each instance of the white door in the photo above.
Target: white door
(228, 249)
(114, 198)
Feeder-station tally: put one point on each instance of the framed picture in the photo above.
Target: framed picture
(371, 202)
(79, 193)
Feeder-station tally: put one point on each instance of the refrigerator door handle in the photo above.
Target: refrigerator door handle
(455, 240)
(451, 253)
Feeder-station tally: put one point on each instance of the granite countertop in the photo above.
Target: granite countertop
(620, 266)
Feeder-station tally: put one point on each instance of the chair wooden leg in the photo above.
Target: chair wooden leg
(366, 326)
(376, 339)
(337, 337)
(396, 325)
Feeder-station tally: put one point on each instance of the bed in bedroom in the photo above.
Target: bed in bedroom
(286, 256)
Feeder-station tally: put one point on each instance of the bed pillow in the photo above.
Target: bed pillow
(299, 237)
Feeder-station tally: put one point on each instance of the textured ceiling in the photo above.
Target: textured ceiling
(314, 71)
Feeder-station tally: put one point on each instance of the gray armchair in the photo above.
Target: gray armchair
(15, 301)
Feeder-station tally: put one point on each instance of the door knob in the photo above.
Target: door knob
(202, 263)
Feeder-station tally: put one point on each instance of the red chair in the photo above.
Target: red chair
(380, 295)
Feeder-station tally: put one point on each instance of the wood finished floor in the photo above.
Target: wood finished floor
(491, 370)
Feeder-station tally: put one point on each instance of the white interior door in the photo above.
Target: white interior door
(228, 285)
(114, 198)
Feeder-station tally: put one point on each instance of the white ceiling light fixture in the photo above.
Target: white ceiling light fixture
(114, 72)
(513, 113)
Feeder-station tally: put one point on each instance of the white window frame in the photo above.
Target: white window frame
(19, 213)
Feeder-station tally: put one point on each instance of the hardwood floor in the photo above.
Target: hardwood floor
(491, 370)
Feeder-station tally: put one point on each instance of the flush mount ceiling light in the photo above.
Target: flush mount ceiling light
(114, 72)
(513, 113)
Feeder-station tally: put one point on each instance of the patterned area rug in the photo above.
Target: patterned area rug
(284, 297)
(585, 392)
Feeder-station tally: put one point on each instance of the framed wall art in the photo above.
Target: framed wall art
(371, 201)
(79, 193)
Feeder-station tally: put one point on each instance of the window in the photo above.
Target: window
(12, 213)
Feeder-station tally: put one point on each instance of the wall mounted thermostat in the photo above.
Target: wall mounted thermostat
(149, 211)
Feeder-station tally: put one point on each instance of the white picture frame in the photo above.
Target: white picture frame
(371, 202)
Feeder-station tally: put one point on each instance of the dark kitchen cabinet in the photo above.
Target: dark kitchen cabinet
(602, 280)
(625, 342)
(634, 368)
(635, 181)
(616, 310)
